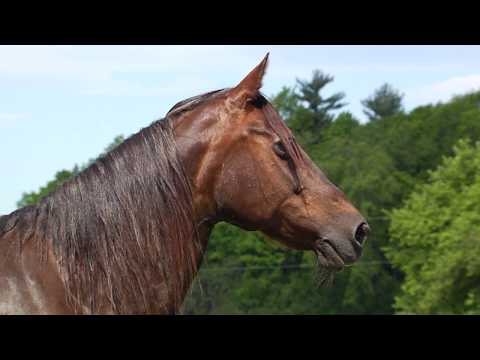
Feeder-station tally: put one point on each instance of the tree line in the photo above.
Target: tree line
(414, 175)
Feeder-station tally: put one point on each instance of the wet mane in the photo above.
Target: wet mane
(122, 229)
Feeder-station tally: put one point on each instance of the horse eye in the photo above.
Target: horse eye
(280, 150)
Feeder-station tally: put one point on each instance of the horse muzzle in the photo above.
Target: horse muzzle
(337, 252)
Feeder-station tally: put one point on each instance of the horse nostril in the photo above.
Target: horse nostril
(361, 233)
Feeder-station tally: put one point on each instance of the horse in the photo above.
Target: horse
(127, 235)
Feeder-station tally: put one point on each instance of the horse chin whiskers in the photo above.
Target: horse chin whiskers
(324, 277)
(325, 274)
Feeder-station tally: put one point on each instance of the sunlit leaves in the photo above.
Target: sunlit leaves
(435, 238)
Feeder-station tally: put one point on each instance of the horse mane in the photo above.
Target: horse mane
(123, 229)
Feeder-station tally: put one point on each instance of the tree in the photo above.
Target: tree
(435, 238)
(385, 102)
(344, 125)
(308, 111)
(320, 106)
(286, 102)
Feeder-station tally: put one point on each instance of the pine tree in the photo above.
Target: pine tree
(385, 102)
(309, 91)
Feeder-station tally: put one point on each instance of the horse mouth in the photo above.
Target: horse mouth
(328, 255)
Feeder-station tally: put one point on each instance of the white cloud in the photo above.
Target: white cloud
(443, 90)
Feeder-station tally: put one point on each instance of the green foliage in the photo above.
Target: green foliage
(344, 125)
(435, 238)
(385, 102)
(286, 102)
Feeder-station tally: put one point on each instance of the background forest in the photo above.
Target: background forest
(416, 178)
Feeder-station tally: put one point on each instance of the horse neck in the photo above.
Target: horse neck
(183, 255)
(193, 142)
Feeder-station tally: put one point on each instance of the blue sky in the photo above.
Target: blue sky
(62, 105)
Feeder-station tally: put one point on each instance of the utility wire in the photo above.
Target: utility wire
(300, 266)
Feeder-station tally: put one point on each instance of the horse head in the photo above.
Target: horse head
(246, 168)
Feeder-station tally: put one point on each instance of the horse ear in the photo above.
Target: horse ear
(248, 88)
